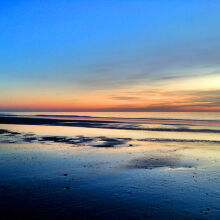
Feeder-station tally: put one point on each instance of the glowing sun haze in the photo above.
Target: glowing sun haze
(124, 55)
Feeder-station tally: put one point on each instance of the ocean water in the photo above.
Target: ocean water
(164, 115)
(200, 126)
(110, 165)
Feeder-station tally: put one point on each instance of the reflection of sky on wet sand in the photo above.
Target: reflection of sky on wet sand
(94, 132)
(147, 178)
(92, 172)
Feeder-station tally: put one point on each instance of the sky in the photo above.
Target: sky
(118, 55)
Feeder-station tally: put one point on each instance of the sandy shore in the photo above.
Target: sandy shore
(91, 177)
(68, 167)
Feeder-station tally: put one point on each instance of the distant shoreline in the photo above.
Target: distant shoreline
(93, 124)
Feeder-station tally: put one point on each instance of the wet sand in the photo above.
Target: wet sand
(125, 124)
(92, 173)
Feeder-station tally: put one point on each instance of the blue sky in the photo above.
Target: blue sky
(75, 46)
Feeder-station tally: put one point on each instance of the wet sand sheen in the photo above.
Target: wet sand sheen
(141, 181)
(94, 173)
(113, 133)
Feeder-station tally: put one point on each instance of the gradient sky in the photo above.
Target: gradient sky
(118, 55)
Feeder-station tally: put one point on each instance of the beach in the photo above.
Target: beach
(110, 165)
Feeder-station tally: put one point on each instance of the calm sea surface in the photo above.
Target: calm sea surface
(156, 115)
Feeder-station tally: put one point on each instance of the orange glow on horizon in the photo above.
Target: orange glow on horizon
(139, 97)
